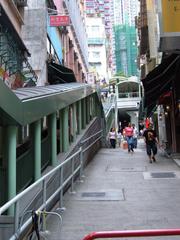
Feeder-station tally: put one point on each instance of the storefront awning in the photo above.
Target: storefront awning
(58, 74)
(159, 80)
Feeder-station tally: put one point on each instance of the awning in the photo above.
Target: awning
(58, 74)
(26, 105)
(159, 80)
(165, 98)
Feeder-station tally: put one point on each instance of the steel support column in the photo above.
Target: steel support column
(11, 159)
(61, 130)
(53, 135)
(84, 113)
(74, 122)
(87, 110)
(65, 129)
(37, 148)
(79, 106)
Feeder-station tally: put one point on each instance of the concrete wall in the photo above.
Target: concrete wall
(35, 37)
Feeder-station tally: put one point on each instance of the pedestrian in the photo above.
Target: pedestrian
(129, 137)
(151, 141)
(119, 137)
(112, 137)
(135, 135)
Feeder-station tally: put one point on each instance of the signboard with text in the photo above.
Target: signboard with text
(170, 15)
(58, 21)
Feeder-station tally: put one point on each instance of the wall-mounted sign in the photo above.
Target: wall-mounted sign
(58, 21)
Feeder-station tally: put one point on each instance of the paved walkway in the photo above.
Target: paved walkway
(121, 191)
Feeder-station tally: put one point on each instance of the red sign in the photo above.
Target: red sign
(58, 21)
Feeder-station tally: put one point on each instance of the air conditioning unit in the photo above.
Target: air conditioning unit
(21, 3)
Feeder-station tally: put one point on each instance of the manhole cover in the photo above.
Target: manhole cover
(116, 195)
(163, 175)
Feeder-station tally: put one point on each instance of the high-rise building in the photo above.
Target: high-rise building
(97, 50)
(103, 9)
(125, 37)
(126, 50)
(125, 11)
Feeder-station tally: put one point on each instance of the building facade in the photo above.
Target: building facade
(159, 61)
(104, 9)
(125, 38)
(97, 49)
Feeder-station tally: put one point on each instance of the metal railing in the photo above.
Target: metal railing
(42, 185)
(133, 233)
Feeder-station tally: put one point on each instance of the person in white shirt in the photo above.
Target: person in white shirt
(119, 137)
(112, 137)
(135, 135)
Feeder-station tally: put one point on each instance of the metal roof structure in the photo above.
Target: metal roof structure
(26, 105)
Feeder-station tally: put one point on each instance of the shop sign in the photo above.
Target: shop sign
(170, 15)
(58, 21)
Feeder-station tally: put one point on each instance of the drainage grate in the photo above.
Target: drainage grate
(111, 195)
(163, 175)
(93, 194)
(112, 168)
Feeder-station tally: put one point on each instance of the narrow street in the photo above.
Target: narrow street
(121, 191)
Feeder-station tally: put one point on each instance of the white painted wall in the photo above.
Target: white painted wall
(97, 53)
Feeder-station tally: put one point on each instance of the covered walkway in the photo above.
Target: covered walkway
(121, 192)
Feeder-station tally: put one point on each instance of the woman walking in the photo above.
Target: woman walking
(112, 137)
(129, 137)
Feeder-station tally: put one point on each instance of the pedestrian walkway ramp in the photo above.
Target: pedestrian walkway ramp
(116, 199)
(113, 196)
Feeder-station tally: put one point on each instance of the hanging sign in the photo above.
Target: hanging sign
(170, 15)
(58, 21)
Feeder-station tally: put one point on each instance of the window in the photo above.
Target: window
(96, 54)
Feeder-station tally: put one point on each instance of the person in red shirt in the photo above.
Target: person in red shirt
(129, 137)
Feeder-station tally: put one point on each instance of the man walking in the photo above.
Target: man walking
(151, 143)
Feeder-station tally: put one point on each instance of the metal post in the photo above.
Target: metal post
(81, 162)
(72, 173)
(116, 113)
(61, 184)
(16, 217)
(44, 203)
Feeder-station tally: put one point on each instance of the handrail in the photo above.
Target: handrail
(133, 233)
(43, 181)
